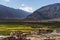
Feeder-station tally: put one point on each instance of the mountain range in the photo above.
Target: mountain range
(11, 13)
(48, 12)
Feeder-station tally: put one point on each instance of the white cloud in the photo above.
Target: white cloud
(7, 0)
(26, 8)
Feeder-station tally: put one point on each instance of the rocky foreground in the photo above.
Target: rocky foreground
(37, 35)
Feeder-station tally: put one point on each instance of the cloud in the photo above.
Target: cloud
(26, 8)
(7, 0)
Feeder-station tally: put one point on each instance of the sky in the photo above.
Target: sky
(27, 5)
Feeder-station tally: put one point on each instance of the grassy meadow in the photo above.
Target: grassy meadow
(7, 27)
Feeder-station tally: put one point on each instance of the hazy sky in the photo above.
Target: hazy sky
(27, 5)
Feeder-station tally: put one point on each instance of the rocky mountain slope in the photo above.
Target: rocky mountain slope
(11, 13)
(47, 12)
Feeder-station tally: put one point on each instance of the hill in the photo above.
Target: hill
(11, 13)
(48, 12)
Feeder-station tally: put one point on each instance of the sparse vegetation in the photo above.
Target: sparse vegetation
(7, 27)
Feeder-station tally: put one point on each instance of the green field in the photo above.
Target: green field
(7, 27)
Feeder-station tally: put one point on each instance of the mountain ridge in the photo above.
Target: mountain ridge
(11, 13)
(46, 12)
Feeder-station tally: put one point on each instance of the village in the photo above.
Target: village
(34, 35)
